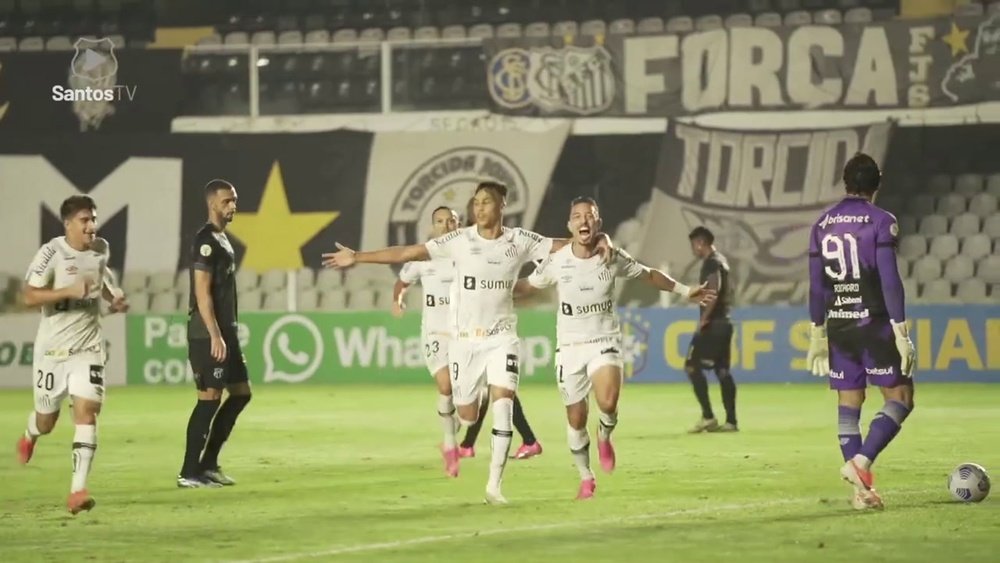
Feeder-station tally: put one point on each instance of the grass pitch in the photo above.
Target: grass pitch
(353, 474)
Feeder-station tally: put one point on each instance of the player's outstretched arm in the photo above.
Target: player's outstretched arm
(699, 294)
(345, 257)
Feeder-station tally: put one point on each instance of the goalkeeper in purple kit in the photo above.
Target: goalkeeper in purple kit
(859, 333)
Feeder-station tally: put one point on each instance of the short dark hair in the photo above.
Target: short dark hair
(861, 175)
(583, 199)
(215, 185)
(441, 208)
(702, 233)
(496, 187)
(75, 204)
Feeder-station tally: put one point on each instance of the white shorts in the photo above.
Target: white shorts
(475, 364)
(81, 375)
(436, 352)
(576, 364)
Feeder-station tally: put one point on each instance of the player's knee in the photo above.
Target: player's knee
(607, 401)
(210, 395)
(693, 371)
(468, 414)
(724, 374)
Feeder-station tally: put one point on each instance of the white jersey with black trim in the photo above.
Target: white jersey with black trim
(482, 304)
(586, 288)
(71, 325)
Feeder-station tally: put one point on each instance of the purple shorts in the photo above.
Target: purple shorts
(860, 355)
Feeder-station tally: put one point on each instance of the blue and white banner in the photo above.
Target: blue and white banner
(954, 343)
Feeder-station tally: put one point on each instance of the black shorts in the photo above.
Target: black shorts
(210, 374)
(711, 348)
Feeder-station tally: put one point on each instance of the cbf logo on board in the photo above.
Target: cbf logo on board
(571, 79)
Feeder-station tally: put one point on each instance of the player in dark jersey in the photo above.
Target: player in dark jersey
(859, 334)
(530, 446)
(711, 344)
(213, 346)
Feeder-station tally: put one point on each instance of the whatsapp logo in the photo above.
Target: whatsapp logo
(293, 350)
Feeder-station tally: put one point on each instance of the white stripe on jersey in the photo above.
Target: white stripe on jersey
(586, 289)
(72, 325)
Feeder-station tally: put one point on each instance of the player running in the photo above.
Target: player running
(213, 345)
(436, 277)
(67, 279)
(485, 348)
(530, 446)
(588, 331)
(856, 292)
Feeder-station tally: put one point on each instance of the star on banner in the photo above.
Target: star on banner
(274, 236)
(956, 39)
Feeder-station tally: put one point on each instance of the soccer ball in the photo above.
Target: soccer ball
(969, 482)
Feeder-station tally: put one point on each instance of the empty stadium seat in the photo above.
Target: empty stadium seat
(58, 43)
(680, 24)
(593, 28)
(903, 265)
(910, 288)
(768, 19)
(858, 15)
(828, 17)
(138, 302)
(246, 279)
(273, 280)
(936, 291)
(479, 31)
(969, 10)
(308, 300)
(933, 225)
(329, 279)
(135, 281)
(972, 290)
(907, 224)
(965, 225)
(648, 26)
(944, 246)
(182, 282)
(738, 20)
(237, 38)
(275, 301)
(362, 299)
(926, 268)
(951, 205)
(976, 246)
(959, 268)
(305, 278)
(798, 18)
(347, 36)
(983, 204)
(161, 281)
(969, 184)
(333, 300)
(708, 22)
(991, 226)
(31, 44)
(250, 300)
(290, 38)
(163, 303)
(317, 37)
(509, 30)
(565, 28)
(989, 269)
(921, 205)
(622, 26)
(993, 185)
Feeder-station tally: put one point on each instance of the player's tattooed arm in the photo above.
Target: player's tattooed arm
(345, 257)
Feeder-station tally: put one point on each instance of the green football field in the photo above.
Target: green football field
(353, 474)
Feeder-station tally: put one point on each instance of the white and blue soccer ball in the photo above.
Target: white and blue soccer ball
(969, 482)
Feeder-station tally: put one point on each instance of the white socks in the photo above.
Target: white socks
(84, 445)
(503, 415)
(606, 426)
(446, 411)
(32, 432)
(579, 446)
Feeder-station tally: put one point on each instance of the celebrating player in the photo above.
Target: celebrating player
(485, 348)
(436, 277)
(66, 279)
(711, 344)
(530, 446)
(213, 345)
(856, 301)
(588, 332)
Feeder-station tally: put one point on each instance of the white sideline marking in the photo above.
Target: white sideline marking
(364, 547)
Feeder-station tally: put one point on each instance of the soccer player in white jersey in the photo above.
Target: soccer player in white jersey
(67, 279)
(436, 277)
(485, 347)
(588, 332)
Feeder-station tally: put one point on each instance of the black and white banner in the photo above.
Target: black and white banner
(410, 174)
(881, 65)
(758, 192)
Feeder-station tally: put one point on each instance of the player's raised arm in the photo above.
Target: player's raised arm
(628, 267)
(37, 290)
